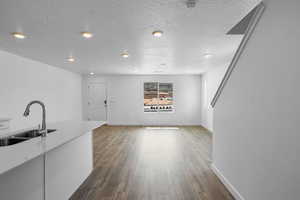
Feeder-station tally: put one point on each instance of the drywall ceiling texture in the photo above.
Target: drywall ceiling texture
(256, 141)
(126, 100)
(53, 30)
(23, 80)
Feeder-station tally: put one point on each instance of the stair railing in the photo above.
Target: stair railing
(251, 26)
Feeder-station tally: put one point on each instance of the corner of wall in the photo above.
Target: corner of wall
(234, 192)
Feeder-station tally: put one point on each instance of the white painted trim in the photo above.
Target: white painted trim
(145, 124)
(226, 183)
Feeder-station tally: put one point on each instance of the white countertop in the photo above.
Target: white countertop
(15, 155)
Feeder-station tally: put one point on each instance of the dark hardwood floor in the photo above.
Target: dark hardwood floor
(136, 163)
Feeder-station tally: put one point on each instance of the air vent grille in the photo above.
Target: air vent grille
(191, 3)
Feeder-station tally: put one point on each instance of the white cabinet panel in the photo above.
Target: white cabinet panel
(24, 182)
(67, 167)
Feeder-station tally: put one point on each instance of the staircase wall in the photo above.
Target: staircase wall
(256, 119)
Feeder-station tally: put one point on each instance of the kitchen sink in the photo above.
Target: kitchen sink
(50, 130)
(11, 141)
(21, 137)
(33, 133)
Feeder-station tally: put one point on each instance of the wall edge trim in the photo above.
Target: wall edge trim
(234, 192)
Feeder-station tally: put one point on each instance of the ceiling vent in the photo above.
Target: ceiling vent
(191, 3)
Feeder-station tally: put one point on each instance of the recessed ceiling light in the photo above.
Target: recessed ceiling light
(157, 33)
(92, 73)
(207, 55)
(18, 35)
(87, 34)
(125, 55)
(71, 59)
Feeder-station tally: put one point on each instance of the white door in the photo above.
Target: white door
(97, 103)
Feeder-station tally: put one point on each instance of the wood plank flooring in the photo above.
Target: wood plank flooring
(138, 163)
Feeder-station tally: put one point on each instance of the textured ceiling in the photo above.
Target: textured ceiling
(53, 33)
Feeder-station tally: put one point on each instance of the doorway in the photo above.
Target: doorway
(97, 102)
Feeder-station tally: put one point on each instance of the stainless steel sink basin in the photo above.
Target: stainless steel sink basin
(11, 141)
(50, 130)
(33, 133)
(21, 137)
(29, 134)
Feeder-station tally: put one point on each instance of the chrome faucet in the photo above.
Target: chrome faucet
(43, 130)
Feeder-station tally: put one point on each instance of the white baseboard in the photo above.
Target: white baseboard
(227, 184)
(125, 124)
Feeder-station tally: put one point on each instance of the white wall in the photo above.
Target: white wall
(256, 126)
(23, 80)
(210, 83)
(125, 100)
